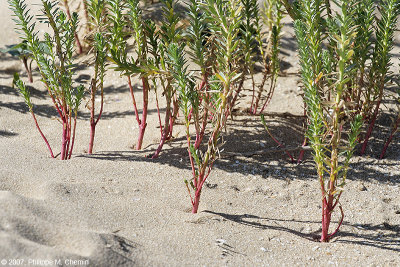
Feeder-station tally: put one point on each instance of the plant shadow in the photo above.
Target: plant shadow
(249, 150)
(382, 236)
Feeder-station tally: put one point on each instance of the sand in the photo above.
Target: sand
(119, 208)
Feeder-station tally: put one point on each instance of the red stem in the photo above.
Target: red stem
(78, 43)
(280, 145)
(340, 223)
(73, 138)
(260, 90)
(371, 126)
(28, 70)
(173, 117)
(269, 96)
(196, 201)
(133, 100)
(159, 115)
(143, 124)
(394, 130)
(64, 141)
(41, 133)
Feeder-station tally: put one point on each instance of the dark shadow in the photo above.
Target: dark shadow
(382, 236)
(7, 133)
(249, 150)
(116, 114)
(39, 110)
(83, 78)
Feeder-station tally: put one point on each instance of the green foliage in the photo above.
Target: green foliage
(325, 85)
(54, 57)
(23, 90)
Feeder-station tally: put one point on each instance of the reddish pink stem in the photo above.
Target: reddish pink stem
(78, 43)
(64, 141)
(371, 127)
(133, 100)
(394, 130)
(159, 116)
(73, 139)
(340, 224)
(143, 124)
(41, 133)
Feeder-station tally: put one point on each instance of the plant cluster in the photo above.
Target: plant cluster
(344, 72)
(344, 52)
(54, 57)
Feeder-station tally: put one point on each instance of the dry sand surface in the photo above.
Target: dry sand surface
(118, 208)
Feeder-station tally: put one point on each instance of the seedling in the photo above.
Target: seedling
(129, 66)
(96, 10)
(55, 63)
(224, 22)
(381, 62)
(322, 81)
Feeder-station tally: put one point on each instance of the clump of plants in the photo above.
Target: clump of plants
(334, 125)
(378, 72)
(223, 18)
(54, 57)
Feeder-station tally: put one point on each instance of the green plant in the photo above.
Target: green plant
(129, 66)
(224, 25)
(253, 51)
(170, 33)
(96, 12)
(324, 80)
(55, 63)
(381, 62)
(273, 14)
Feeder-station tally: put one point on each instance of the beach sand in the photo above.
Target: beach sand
(119, 208)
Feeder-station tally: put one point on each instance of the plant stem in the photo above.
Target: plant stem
(73, 137)
(372, 124)
(28, 70)
(143, 123)
(41, 133)
(78, 43)
(394, 130)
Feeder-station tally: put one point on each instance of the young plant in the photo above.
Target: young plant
(96, 11)
(328, 119)
(199, 50)
(55, 63)
(21, 50)
(224, 21)
(386, 26)
(119, 54)
(253, 50)
(273, 13)
(170, 33)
